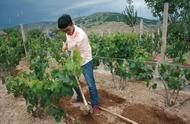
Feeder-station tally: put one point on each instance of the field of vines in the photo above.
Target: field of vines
(125, 55)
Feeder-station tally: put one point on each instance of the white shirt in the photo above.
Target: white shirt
(80, 40)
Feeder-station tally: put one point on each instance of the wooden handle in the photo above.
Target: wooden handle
(83, 97)
(122, 117)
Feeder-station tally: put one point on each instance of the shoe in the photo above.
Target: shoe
(96, 110)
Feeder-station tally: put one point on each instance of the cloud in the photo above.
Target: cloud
(84, 4)
(13, 12)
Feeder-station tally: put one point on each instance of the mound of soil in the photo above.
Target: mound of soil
(143, 114)
(106, 100)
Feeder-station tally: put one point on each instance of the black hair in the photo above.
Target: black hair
(64, 21)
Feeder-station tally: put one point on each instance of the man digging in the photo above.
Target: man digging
(77, 38)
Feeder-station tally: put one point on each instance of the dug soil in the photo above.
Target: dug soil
(144, 114)
(76, 111)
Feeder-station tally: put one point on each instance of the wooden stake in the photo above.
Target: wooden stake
(164, 32)
(24, 39)
(141, 28)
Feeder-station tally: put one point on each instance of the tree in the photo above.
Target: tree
(179, 18)
(186, 19)
(179, 13)
(175, 7)
(130, 14)
(174, 77)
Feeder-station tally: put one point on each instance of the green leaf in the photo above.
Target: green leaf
(29, 108)
(57, 113)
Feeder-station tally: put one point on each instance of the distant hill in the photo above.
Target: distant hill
(105, 19)
(39, 25)
(100, 17)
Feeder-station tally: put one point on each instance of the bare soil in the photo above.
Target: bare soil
(136, 102)
(144, 114)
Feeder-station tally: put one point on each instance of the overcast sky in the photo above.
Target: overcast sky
(14, 12)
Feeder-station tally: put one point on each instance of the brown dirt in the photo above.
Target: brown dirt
(106, 100)
(138, 93)
(111, 27)
(80, 117)
(137, 103)
(83, 84)
(144, 114)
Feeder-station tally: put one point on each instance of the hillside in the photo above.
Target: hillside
(111, 27)
(101, 17)
(98, 22)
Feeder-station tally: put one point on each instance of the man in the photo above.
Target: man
(77, 38)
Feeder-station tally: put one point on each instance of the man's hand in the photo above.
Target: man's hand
(65, 47)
